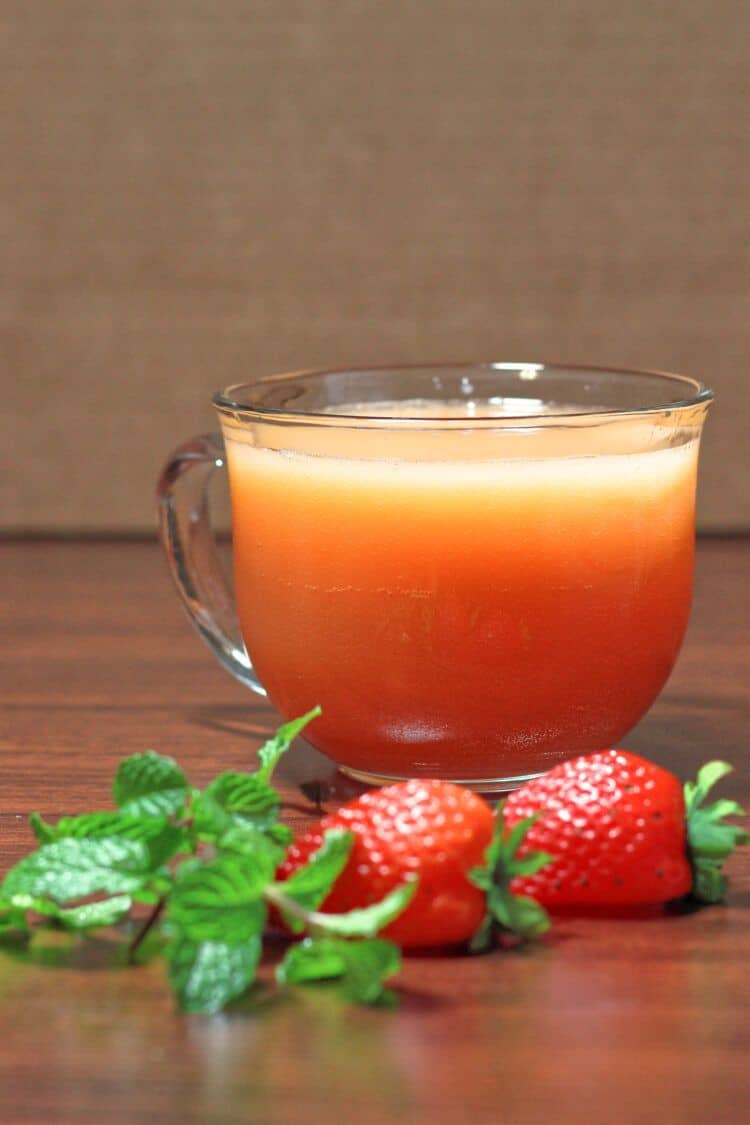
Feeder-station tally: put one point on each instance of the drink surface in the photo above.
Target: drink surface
(463, 604)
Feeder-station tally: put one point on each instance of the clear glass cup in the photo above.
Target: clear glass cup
(477, 570)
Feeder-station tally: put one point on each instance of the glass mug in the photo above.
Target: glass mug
(477, 570)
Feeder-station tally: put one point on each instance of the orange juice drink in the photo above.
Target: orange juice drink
(461, 608)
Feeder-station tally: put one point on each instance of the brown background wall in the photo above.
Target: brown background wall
(196, 191)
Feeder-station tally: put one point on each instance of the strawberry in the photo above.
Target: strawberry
(441, 834)
(624, 833)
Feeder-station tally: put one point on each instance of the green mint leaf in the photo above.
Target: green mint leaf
(220, 901)
(280, 834)
(368, 964)
(367, 920)
(43, 832)
(213, 822)
(312, 959)
(162, 838)
(272, 750)
(13, 924)
(361, 966)
(44, 906)
(246, 796)
(92, 915)
(68, 869)
(209, 818)
(255, 844)
(107, 912)
(207, 975)
(150, 784)
(710, 838)
(98, 824)
(167, 801)
(148, 895)
(235, 798)
(311, 884)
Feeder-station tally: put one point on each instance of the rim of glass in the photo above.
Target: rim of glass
(225, 400)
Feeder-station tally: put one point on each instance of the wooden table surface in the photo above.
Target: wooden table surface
(610, 1020)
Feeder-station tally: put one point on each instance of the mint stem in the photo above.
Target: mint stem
(314, 921)
(145, 930)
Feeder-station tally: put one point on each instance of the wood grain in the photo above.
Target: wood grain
(611, 1020)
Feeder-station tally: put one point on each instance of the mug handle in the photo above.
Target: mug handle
(190, 547)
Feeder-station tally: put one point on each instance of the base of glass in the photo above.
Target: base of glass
(476, 784)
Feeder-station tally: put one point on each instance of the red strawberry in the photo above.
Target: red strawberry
(623, 833)
(432, 829)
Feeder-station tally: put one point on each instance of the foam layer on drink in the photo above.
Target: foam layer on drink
(444, 464)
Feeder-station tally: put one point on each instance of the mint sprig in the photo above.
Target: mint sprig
(205, 861)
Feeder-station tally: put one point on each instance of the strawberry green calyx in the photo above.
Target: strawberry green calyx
(506, 912)
(710, 840)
